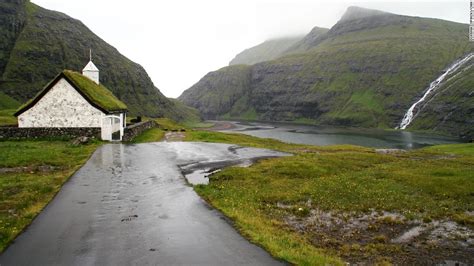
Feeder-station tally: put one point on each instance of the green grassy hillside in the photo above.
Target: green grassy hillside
(41, 43)
(365, 71)
(265, 51)
(310, 40)
(451, 109)
(327, 204)
(7, 102)
(224, 90)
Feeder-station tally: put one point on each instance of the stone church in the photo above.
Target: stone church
(74, 100)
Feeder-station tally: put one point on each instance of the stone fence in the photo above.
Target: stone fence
(48, 132)
(69, 132)
(136, 129)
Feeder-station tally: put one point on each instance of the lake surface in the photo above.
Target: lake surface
(323, 136)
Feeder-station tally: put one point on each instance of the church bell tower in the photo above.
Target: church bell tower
(90, 70)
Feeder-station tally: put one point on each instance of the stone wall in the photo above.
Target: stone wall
(136, 129)
(47, 132)
(69, 133)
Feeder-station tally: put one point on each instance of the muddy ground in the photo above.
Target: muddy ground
(376, 237)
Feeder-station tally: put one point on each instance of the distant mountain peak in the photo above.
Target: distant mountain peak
(355, 12)
(317, 30)
(268, 50)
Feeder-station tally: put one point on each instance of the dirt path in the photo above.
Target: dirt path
(130, 205)
(174, 136)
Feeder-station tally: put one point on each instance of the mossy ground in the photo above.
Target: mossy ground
(7, 118)
(97, 93)
(163, 125)
(434, 183)
(7, 102)
(150, 135)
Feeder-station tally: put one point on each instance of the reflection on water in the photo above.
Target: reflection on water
(323, 136)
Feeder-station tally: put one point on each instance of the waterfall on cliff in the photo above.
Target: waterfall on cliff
(410, 115)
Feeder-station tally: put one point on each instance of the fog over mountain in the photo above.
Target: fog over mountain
(365, 71)
(169, 38)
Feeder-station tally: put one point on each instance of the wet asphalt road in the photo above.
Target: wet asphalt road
(130, 205)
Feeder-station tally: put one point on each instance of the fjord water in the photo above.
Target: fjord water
(323, 136)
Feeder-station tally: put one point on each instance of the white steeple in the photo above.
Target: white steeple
(90, 70)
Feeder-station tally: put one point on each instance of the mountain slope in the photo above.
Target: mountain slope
(41, 43)
(221, 90)
(309, 41)
(7, 102)
(365, 71)
(12, 20)
(265, 51)
(451, 108)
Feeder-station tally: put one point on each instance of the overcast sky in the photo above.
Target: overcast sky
(179, 41)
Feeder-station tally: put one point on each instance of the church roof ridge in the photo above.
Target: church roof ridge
(96, 94)
(90, 67)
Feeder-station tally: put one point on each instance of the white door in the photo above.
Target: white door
(112, 128)
(106, 130)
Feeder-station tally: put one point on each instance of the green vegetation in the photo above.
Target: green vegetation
(7, 102)
(98, 94)
(8, 106)
(163, 125)
(434, 183)
(273, 199)
(182, 113)
(31, 173)
(7, 118)
(366, 71)
(37, 44)
(457, 149)
(268, 50)
(239, 139)
(223, 88)
(197, 124)
(150, 135)
(168, 124)
(156, 134)
(450, 106)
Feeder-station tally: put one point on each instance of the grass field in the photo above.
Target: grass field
(323, 205)
(150, 135)
(31, 173)
(7, 118)
(158, 133)
(282, 203)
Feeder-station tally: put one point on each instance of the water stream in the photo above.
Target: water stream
(410, 114)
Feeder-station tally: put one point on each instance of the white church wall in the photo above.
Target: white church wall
(62, 106)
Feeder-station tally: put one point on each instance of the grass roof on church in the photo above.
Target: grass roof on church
(96, 94)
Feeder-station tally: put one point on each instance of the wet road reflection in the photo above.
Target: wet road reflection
(130, 205)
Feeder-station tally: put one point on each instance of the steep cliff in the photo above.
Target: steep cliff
(41, 43)
(451, 107)
(365, 71)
